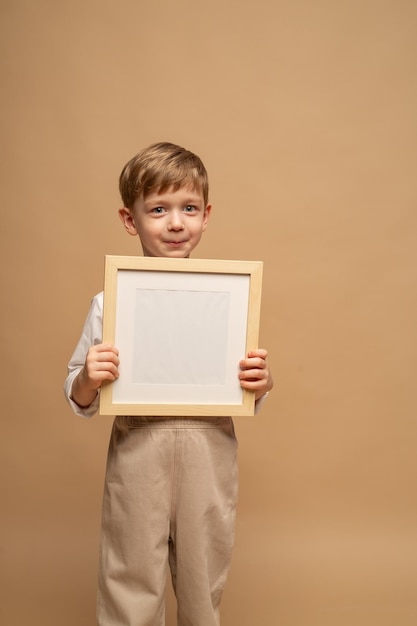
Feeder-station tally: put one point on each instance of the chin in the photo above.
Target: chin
(179, 254)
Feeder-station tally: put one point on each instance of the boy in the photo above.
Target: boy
(171, 484)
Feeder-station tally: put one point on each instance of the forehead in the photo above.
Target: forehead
(186, 192)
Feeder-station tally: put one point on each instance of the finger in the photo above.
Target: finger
(105, 347)
(252, 384)
(258, 352)
(108, 356)
(252, 363)
(97, 356)
(253, 374)
(102, 366)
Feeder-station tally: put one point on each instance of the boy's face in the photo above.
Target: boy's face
(169, 224)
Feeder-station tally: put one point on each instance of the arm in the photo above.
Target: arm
(89, 365)
(255, 374)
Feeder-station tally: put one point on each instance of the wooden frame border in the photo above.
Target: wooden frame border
(113, 264)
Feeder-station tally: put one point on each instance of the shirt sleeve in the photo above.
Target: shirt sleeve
(91, 335)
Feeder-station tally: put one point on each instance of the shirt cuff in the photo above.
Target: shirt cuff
(84, 411)
(260, 402)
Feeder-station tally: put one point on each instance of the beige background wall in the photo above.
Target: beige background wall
(305, 115)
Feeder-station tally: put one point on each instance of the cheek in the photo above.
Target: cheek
(148, 229)
(200, 227)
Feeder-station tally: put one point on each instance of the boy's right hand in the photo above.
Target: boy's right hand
(101, 365)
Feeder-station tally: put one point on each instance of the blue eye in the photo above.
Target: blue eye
(158, 210)
(189, 208)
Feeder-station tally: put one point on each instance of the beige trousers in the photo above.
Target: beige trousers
(169, 499)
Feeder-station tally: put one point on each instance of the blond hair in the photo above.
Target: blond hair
(159, 167)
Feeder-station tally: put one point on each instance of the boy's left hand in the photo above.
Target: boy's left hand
(255, 374)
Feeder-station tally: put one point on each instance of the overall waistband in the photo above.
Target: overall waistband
(133, 421)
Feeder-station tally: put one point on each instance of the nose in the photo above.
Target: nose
(176, 221)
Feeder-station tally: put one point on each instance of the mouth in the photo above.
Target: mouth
(175, 244)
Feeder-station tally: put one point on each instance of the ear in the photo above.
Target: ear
(207, 212)
(126, 218)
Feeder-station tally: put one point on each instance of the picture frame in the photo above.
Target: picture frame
(181, 327)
